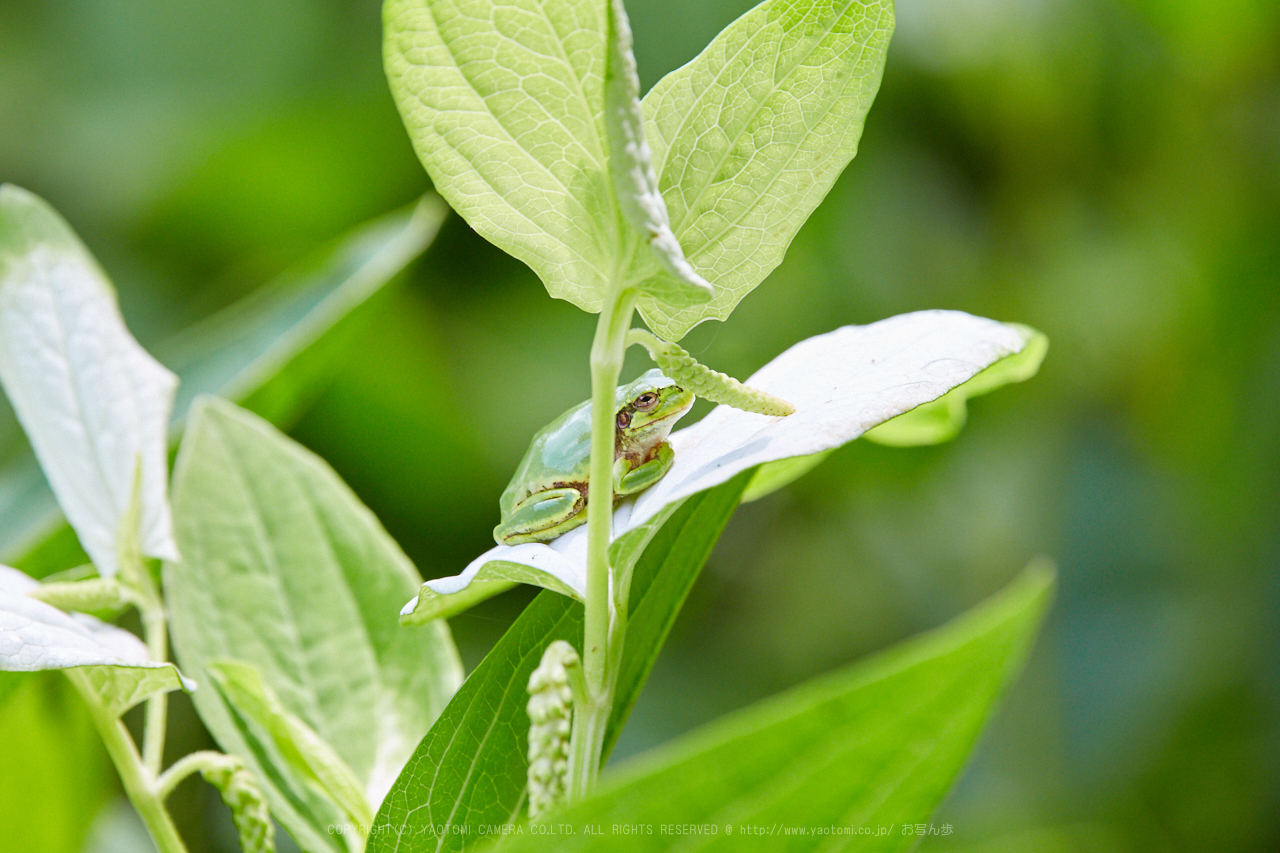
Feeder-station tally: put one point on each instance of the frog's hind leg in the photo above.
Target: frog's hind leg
(542, 517)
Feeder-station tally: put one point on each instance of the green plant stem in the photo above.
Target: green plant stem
(140, 784)
(602, 635)
(157, 721)
(202, 761)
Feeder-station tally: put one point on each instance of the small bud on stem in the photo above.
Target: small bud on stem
(709, 384)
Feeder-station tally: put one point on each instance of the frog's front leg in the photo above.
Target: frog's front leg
(628, 480)
(542, 517)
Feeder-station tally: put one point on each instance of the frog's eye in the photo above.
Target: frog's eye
(646, 401)
(624, 419)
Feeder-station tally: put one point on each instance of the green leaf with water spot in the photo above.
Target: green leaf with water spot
(750, 136)
(942, 419)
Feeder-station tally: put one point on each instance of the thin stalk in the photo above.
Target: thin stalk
(601, 637)
(139, 783)
(202, 761)
(157, 721)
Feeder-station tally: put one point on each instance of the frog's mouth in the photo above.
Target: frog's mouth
(666, 420)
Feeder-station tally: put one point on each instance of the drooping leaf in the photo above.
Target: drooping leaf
(748, 138)
(930, 423)
(878, 744)
(94, 404)
(308, 755)
(558, 566)
(842, 384)
(634, 180)
(504, 103)
(35, 636)
(942, 419)
(270, 351)
(284, 569)
(471, 768)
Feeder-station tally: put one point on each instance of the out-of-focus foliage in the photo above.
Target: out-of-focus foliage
(1103, 170)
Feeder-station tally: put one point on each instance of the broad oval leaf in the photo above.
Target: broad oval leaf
(36, 636)
(94, 403)
(504, 103)
(842, 384)
(750, 136)
(872, 747)
(284, 569)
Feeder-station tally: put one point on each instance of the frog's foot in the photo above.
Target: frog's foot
(542, 517)
(628, 481)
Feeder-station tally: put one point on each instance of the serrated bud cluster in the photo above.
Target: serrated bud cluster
(710, 384)
(242, 795)
(550, 724)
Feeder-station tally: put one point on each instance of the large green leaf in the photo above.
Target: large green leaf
(269, 350)
(284, 569)
(748, 138)
(504, 102)
(470, 769)
(838, 763)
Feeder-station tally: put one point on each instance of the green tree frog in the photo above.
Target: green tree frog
(548, 494)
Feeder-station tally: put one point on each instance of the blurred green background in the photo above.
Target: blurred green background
(1107, 171)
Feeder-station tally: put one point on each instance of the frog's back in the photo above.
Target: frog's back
(560, 455)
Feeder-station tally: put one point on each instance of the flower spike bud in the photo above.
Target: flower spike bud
(709, 384)
(551, 694)
(241, 793)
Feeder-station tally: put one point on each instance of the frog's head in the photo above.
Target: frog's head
(649, 407)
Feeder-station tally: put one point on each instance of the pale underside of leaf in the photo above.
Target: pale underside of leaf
(36, 636)
(559, 566)
(634, 179)
(942, 419)
(504, 103)
(842, 384)
(750, 136)
(94, 404)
